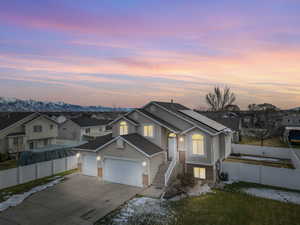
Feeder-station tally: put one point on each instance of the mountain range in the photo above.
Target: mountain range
(19, 105)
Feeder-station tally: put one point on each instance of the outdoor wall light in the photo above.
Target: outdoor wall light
(78, 155)
(98, 158)
(181, 139)
(144, 164)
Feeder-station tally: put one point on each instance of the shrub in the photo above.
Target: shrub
(186, 179)
(4, 157)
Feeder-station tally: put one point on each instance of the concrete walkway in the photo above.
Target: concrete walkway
(80, 200)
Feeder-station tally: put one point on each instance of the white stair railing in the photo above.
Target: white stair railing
(169, 171)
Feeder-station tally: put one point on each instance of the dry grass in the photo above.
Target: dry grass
(270, 142)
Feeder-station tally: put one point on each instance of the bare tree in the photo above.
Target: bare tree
(261, 134)
(220, 98)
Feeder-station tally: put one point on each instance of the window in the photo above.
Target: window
(15, 140)
(148, 131)
(31, 145)
(120, 143)
(51, 126)
(198, 148)
(199, 173)
(123, 128)
(45, 142)
(37, 128)
(87, 130)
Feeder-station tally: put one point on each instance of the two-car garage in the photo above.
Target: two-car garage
(123, 171)
(121, 160)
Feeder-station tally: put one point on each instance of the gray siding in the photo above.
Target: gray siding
(116, 128)
(46, 131)
(155, 162)
(142, 120)
(208, 157)
(69, 131)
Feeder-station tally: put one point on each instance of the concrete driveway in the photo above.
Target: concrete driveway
(80, 200)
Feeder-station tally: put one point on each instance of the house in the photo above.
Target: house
(24, 131)
(83, 128)
(228, 119)
(147, 144)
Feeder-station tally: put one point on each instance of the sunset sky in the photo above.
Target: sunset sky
(128, 52)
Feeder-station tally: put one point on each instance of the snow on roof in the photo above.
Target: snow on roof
(203, 119)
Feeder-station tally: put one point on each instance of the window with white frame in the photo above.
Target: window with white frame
(148, 131)
(199, 173)
(37, 128)
(123, 128)
(198, 144)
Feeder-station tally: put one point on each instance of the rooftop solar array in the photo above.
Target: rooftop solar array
(203, 119)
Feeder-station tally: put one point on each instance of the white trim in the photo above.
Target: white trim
(122, 158)
(199, 163)
(190, 122)
(123, 117)
(19, 121)
(42, 116)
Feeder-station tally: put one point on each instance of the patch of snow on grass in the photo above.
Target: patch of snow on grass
(199, 189)
(260, 158)
(19, 198)
(138, 209)
(279, 195)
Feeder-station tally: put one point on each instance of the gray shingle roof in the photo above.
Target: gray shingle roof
(11, 118)
(95, 144)
(165, 123)
(88, 122)
(142, 143)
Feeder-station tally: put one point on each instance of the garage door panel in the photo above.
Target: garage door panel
(89, 165)
(123, 171)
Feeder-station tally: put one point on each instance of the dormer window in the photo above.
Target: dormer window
(123, 128)
(198, 144)
(148, 131)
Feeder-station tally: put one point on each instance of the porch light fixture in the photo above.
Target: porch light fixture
(78, 155)
(144, 164)
(98, 158)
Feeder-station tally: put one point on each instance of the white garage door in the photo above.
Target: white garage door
(89, 165)
(123, 172)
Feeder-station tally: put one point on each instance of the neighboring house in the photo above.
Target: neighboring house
(24, 131)
(228, 119)
(147, 144)
(83, 128)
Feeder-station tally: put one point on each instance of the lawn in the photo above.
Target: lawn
(223, 207)
(21, 188)
(270, 142)
(233, 208)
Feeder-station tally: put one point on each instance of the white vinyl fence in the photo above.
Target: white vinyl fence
(35, 171)
(280, 177)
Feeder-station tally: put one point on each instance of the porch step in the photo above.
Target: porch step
(159, 180)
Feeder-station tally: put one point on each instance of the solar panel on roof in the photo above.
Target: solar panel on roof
(203, 119)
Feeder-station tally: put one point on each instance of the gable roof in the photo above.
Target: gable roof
(89, 122)
(142, 144)
(159, 120)
(181, 111)
(12, 118)
(135, 140)
(125, 117)
(42, 116)
(96, 143)
(203, 119)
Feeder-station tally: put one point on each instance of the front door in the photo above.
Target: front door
(172, 145)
